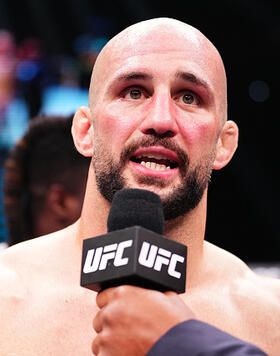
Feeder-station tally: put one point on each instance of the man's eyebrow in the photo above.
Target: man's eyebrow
(190, 77)
(126, 77)
(130, 76)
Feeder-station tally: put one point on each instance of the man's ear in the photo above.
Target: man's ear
(226, 145)
(82, 131)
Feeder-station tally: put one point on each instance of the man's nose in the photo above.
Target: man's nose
(160, 119)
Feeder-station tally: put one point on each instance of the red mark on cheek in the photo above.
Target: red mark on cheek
(116, 121)
(198, 131)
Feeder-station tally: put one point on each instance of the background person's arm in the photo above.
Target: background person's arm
(195, 338)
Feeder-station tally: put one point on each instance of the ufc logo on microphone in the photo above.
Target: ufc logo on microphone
(97, 259)
(150, 256)
(134, 256)
(154, 257)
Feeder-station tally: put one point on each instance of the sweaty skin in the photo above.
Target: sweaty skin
(158, 77)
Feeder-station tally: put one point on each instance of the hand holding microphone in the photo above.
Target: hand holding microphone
(130, 267)
(132, 319)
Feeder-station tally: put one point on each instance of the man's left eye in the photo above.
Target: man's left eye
(132, 93)
(135, 94)
(189, 99)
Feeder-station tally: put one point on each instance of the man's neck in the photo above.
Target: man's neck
(93, 221)
(190, 230)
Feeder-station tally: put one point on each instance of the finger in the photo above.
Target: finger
(97, 322)
(110, 294)
(104, 297)
(170, 293)
(95, 346)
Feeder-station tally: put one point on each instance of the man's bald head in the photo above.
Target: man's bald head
(160, 35)
(157, 116)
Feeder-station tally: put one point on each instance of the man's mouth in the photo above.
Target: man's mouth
(156, 158)
(155, 163)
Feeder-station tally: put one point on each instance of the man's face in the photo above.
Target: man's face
(156, 122)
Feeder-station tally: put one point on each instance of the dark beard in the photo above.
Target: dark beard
(182, 200)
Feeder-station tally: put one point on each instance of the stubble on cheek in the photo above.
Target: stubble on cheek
(178, 197)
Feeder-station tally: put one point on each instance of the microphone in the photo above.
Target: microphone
(134, 251)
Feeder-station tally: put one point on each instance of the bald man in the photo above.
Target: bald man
(157, 120)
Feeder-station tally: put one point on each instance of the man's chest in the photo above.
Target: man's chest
(50, 324)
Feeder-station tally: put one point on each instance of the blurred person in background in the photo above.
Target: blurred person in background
(14, 113)
(32, 84)
(44, 180)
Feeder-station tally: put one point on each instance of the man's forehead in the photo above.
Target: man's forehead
(155, 38)
(156, 61)
(161, 37)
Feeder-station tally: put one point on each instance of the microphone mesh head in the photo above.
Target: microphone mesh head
(132, 207)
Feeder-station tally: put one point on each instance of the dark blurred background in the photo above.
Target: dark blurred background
(56, 43)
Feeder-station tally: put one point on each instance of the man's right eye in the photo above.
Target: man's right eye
(133, 93)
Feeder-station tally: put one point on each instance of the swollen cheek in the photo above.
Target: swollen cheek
(119, 119)
(197, 133)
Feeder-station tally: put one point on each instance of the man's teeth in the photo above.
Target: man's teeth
(155, 166)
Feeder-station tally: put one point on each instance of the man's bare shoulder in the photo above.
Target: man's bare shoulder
(254, 296)
(252, 301)
(22, 263)
(28, 251)
(237, 272)
(18, 262)
(19, 268)
(41, 299)
(258, 294)
(257, 300)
